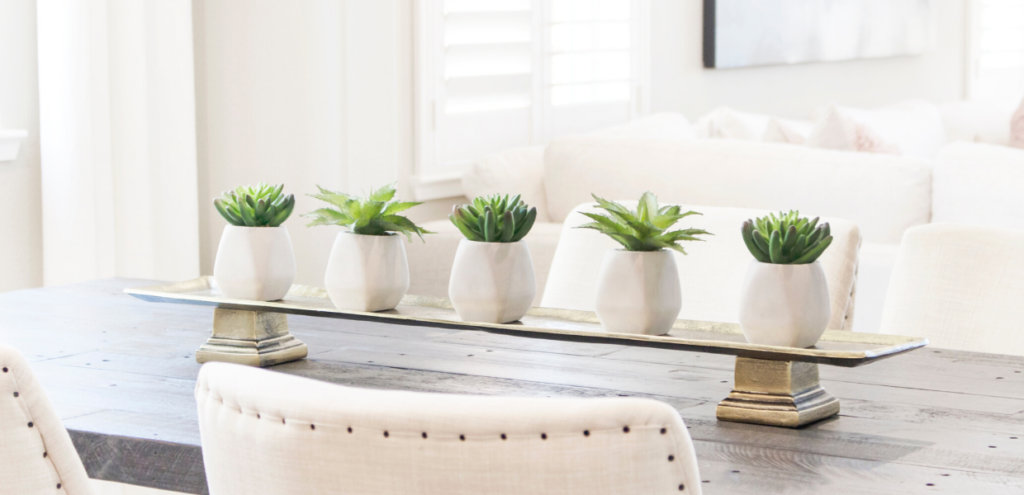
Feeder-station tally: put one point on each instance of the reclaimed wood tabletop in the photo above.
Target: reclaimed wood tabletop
(120, 372)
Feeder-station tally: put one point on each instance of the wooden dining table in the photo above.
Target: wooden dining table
(121, 372)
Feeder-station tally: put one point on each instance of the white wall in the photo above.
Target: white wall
(304, 93)
(679, 82)
(21, 259)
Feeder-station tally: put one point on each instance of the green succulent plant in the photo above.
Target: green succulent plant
(494, 218)
(644, 229)
(787, 239)
(375, 214)
(261, 205)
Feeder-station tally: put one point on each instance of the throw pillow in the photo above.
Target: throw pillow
(838, 131)
(1017, 127)
(726, 123)
(787, 131)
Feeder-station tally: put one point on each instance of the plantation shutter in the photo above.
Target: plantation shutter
(500, 74)
(998, 49)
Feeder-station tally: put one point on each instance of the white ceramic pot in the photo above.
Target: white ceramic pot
(492, 282)
(638, 292)
(254, 263)
(367, 272)
(784, 305)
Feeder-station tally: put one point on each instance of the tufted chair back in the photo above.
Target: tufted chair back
(36, 453)
(269, 433)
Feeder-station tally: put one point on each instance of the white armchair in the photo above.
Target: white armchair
(711, 276)
(960, 286)
(36, 453)
(270, 433)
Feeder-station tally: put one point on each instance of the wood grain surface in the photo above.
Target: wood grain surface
(120, 372)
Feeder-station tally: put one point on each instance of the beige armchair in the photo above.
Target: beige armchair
(270, 433)
(711, 275)
(36, 453)
(960, 286)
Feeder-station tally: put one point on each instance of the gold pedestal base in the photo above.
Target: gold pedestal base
(253, 338)
(777, 393)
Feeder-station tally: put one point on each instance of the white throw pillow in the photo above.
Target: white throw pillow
(911, 128)
(787, 131)
(1017, 127)
(726, 123)
(658, 126)
(837, 130)
(978, 121)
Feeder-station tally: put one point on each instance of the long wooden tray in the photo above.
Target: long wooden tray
(837, 348)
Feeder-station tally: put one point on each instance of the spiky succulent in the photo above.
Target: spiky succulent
(261, 205)
(787, 239)
(645, 228)
(375, 214)
(494, 218)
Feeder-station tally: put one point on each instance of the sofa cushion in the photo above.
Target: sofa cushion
(979, 184)
(710, 276)
(883, 194)
(514, 171)
(912, 128)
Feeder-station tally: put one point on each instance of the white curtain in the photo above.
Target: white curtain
(118, 140)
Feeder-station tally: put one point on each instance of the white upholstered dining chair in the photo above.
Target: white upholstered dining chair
(711, 274)
(36, 453)
(265, 432)
(960, 286)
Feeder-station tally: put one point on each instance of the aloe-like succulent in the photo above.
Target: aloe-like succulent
(494, 218)
(786, 239)
(643, 229)
(261, 205)
(375, 214)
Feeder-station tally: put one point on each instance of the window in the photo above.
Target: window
(997, 50)
(499, 74)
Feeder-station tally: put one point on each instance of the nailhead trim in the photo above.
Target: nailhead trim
(462, 437)
(45, 454)
(58, 486)
(350, 429)
(312, 427)
(15, 394)
(682, 487)
(385, 433)
(625, 429)
(5, 369)
(503, 437)
(543, 436)
(30, 424)
(664, 431)
(671, 458)
(424, 434)
(586, 433)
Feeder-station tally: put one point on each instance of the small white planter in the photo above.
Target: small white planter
(784, 305)
(638, 292)
(254, 263)
(492, 282)
(367, 272)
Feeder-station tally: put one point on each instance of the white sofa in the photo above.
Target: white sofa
(883, 194)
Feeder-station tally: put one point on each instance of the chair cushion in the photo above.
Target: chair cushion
(961, 287)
